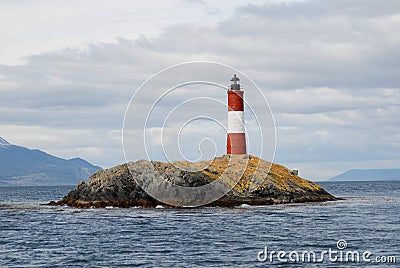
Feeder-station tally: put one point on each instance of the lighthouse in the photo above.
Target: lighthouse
(236, 138)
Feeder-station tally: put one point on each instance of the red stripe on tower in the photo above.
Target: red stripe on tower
(236, 138)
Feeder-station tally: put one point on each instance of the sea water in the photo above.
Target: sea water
(366, 220)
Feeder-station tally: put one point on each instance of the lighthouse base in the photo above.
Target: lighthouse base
(236, 143)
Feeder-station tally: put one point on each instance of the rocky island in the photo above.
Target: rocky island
(260, 183)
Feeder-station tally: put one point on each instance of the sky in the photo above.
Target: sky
(330, 71)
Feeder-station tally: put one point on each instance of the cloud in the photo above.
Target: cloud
(319, 43)
(330, 70)
(322, 9)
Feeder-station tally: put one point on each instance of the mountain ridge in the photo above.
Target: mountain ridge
(21, 166)
(389, 174)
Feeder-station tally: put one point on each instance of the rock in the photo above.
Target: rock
(261, 183)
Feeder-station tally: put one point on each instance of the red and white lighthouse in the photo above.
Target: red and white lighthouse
(236, 138)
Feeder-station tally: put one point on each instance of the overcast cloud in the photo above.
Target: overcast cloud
(329, 69)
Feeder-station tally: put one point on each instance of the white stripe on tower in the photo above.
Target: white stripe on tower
(236, 122)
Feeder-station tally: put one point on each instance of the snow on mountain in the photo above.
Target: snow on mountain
(3, 142)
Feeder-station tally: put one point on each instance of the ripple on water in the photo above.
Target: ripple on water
(36, 235)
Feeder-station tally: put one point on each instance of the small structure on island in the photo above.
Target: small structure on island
(236, 137)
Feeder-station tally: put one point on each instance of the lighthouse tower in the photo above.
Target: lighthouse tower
(236, 140)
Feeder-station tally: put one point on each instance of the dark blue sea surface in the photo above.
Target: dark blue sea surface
(33, 235)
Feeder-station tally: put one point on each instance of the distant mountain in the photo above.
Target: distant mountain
(368, 175)
(23, 166)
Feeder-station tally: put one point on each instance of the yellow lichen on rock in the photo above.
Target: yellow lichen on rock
(257, 173)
